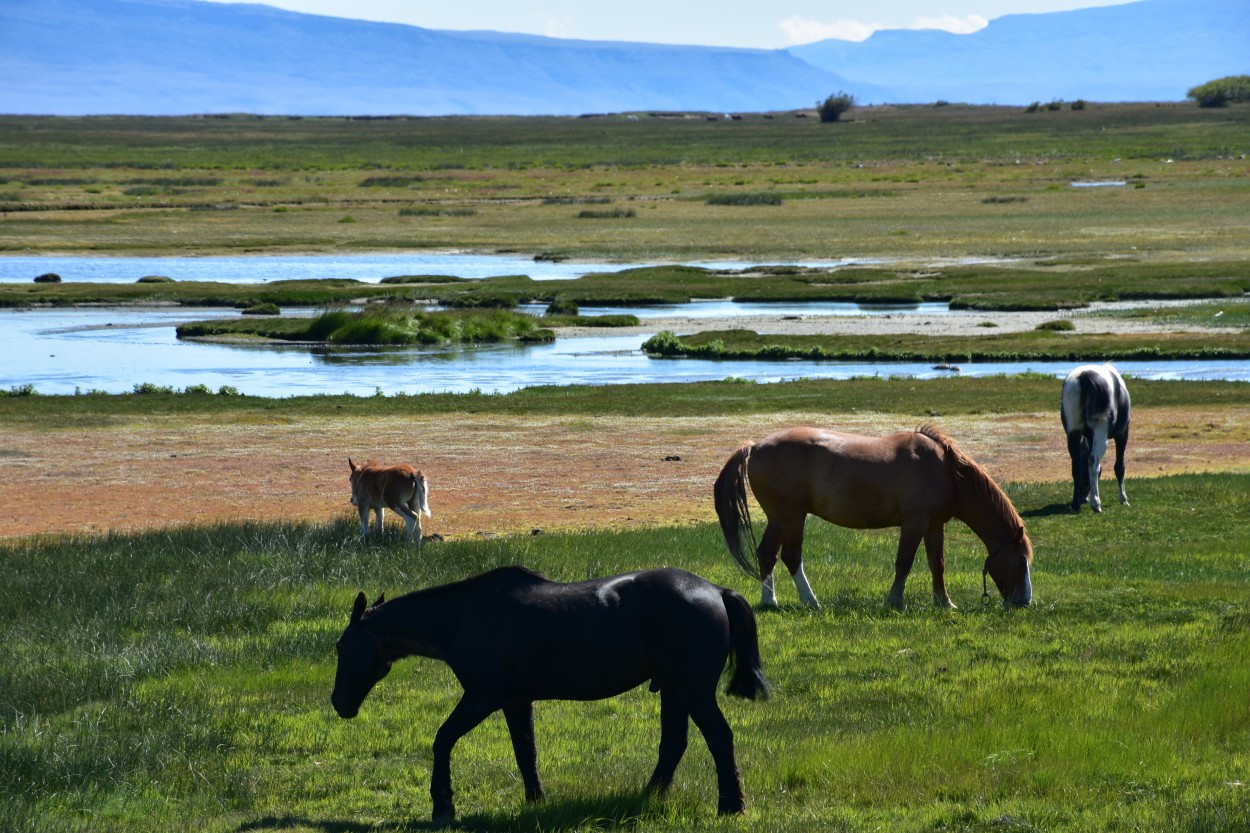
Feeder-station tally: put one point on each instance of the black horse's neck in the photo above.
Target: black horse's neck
(425, 622)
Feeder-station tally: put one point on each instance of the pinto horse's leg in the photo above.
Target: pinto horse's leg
(467, 714)
(520, 718)
(1078, 450)
(674, 736)
(912, 530)
(1121, 442)
(935, 549)
(720, 742)
(792, 557)
(1097, 448)
(766, 557)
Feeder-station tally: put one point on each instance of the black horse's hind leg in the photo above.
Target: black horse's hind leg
(467, 714)
(674, 736)
(520, 717)
(720, 742)
(1121, 442)
(1078, 450)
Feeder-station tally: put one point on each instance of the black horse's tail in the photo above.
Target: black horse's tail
(747, 680)
(730, 498)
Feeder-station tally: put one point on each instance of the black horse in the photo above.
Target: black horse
(512, 637)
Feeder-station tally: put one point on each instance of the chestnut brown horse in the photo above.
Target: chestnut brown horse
(400, 488)
(916, 480)
(512, 637)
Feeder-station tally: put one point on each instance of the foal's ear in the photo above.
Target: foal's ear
(358, 608)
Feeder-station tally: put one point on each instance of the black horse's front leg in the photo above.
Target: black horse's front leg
(520, 717)
(467, 714)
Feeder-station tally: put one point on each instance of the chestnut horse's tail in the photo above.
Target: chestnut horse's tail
(747, 680)
(730, 499)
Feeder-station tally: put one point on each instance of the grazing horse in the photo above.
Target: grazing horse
(1094, 405)
(402, 488)
(512, 637)
(915, 480)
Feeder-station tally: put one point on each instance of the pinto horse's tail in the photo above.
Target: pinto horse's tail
(747, 680)
(730, 498)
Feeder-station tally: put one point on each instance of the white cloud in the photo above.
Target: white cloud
(950, 23)
(558, 27)
(800, 30)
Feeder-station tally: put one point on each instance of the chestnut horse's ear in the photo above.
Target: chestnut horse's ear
(358, 609)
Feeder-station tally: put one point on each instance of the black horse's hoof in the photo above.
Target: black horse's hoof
(444, 816)
(731, 806)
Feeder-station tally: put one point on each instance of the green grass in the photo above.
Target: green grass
(1041, 344)
(180, 680)
(919, 398)
(913, 182)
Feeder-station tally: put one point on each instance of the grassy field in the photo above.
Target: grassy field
(180, 680)
(926, 182)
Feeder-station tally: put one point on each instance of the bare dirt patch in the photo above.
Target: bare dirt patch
(492, 474)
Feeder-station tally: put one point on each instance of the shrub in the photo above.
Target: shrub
(48, 277)
(154, 279)
(1061, 325)
(1221, 91)
(148, 387)
(832, 108)
(389, 181)
(561, 306)
(610, 214)
(744, 199)
(266, 308)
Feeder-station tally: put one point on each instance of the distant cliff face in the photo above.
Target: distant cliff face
(1153, 50)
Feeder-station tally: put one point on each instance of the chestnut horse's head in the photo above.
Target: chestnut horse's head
(361, 662)
(1009, 566)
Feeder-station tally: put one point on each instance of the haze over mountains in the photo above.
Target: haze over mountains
(163, 57)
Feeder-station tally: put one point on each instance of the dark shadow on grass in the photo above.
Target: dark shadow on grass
(616, 811)
(289, 822)
(1048, 511)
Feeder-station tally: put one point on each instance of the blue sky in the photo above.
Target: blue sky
(762, 24)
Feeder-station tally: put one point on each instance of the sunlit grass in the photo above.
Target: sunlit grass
(180, 680)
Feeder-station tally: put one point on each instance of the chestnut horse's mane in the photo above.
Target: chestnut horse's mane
(972, 473)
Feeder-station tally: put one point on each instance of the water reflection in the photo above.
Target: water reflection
(113, 350)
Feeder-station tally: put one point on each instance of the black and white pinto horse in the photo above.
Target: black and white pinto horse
(1095, 406)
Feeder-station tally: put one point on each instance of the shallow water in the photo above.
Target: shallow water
(113, 350)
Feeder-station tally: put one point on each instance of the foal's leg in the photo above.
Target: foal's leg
(379, 513)
(935, 549)
(467, 714)
(792, 556)
(720, 742)
(411, 520)
(1078, 450)
(674, 735)
(1121, 442)
(520, 717)
(363, 510)
(766, 557)
(912, 530)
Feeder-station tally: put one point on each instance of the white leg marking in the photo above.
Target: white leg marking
(805, 590)
(768, 593)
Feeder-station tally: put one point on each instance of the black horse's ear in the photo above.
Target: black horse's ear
(381, 598)
(358, 608)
